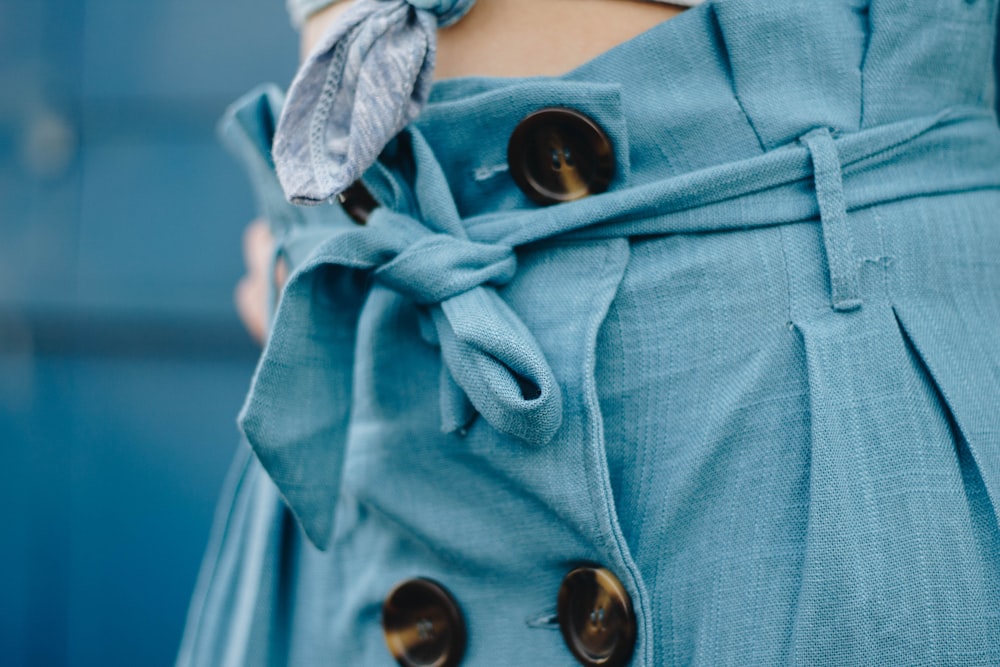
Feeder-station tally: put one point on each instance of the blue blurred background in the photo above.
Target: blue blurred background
(122, 361)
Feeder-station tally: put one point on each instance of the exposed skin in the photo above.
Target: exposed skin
(251, 291)
(525, 37)
(507, 38)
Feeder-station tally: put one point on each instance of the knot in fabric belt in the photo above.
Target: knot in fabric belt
(493, 365)
(431, 268)
(297, 413)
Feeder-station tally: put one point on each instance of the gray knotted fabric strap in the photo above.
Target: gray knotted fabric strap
(367, 79)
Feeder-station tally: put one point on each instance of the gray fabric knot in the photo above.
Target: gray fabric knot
(367, 79)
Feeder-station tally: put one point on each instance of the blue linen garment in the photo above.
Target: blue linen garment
(774, 345)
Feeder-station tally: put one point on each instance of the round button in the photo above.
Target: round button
(423, 625)
(596, 618)
(560, 155)
(357, 202)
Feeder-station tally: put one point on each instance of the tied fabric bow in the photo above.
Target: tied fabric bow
(365, 81)
(297, 413)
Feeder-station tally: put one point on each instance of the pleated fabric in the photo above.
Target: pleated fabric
(775, 342)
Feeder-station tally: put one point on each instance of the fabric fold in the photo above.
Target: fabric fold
(247, 129)
(952, 355)
(879, 525)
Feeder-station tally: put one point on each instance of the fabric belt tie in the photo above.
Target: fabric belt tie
(296, 416)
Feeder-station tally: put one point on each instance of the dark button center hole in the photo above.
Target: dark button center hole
(561, 156)
(597, 618)
(425, 629)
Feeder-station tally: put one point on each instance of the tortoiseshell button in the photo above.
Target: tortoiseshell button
(357, 202)
(559, 155)
(596, 618)
(423, 625)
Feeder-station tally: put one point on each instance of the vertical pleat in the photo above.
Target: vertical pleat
(795, 65)
(894, 571)
(967, 371)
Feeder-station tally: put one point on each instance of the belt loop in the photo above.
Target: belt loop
(829, 180)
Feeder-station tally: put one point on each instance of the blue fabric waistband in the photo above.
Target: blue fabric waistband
(721, 121)
(454, 266)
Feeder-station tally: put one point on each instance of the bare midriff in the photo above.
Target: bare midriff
(527, 37)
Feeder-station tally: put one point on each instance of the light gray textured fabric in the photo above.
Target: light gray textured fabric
(367, 79)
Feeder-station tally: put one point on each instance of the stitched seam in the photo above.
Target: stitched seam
(863, 65)
(317, 124)
(730, 76)
(602, 501)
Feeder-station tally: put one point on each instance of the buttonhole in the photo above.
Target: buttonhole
(556, 161)
(546, 621)
(487, 172)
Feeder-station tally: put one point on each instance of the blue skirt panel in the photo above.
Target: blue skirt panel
(762, 369)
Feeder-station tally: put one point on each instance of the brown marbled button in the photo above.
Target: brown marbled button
(423, 625)
(357, 202)
(596, 617)
(559, 155)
